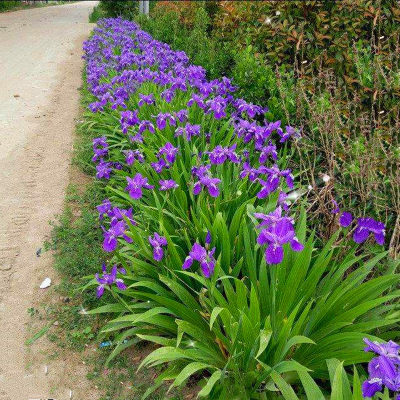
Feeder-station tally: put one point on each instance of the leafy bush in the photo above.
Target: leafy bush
(192, 37)
(250, 309)
(116, 8)
(8, 5)
(293, 57)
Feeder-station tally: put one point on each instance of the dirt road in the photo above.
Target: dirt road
(40, 72)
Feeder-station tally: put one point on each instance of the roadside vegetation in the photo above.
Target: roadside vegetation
(14, 5)
(253, 246)
(330, 69)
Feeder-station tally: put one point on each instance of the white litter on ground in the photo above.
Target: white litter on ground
(45, 284)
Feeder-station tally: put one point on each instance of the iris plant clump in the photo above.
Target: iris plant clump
(183, 156)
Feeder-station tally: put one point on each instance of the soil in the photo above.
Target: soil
(40, 73)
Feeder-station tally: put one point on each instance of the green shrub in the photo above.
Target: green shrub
(116, 8)
(8, 5)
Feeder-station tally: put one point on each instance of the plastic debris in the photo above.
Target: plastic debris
(326, 178)
(82, 311)
(70, 394)
(46, 369)
(45, 284)
(38, 252)
(109, 343)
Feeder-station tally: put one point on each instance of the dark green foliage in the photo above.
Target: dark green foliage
(8, 5)
(215, 56)
(119, 8)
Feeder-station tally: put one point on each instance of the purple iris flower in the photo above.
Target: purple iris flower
(201, 170)
(136, 184)
(122, 214)
(103, 169)
(371, 386)
(146, 99)
(162, 119)
(224, 86)
(275, 236)
(192, 130)
(119, 102)
(100, 148)
(273, 180)
(266, 151)
(159, 165)
(220, 154)
(217, 105)
(273, 126)
(189, 131)
(179, 84)
(138, 138)
(199, 100)
(383, 370)
(99, 153)
(133, 155)
(205, 88)
(249, 171)
(290, 132)
(205, 258)
(269, 219)
(167, 184)
(182, 115)
(282, 200)
(169, 151)
(146, 126)
(128, 118)
(245, 129)
(117, 165)
(168, 95)
(105, 208)
(365, 226)
(97, 106)
(389, 349)
(345, 219)
(252, 131)
(109, 279)
(157, 242)
(208, 182)
(251, 109)
(116, 229)
(100, 141)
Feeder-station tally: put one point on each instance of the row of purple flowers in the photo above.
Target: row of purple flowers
(135, 58)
